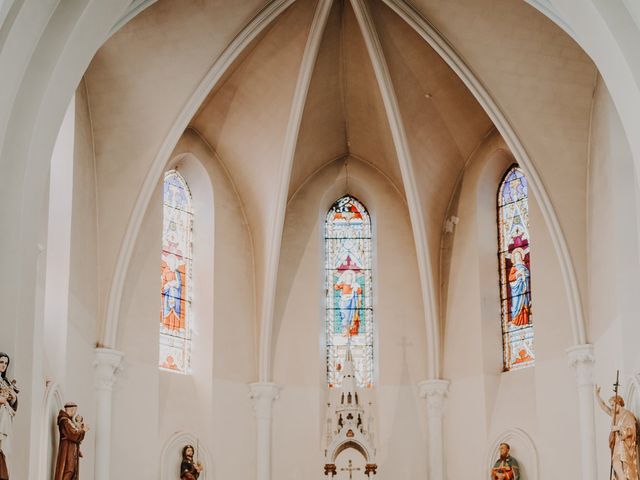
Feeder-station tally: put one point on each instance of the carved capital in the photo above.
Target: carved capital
(263, 395)
(435, 392)
(582, 359)
(108, 363)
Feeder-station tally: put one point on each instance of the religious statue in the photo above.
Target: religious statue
(72, 430)
(8, 407)
(622, 438)
(506, 467)
(189, 469)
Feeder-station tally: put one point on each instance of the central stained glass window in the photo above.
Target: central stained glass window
(349, 312)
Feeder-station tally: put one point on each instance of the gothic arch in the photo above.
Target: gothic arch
(613, 49)
(223, 63)
(429, 33)
(320, 190)
(355, 445)
(444, 49)
(93, 21)
(199, 182)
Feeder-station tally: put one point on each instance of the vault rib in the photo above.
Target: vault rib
(392, 110)
(305, 72)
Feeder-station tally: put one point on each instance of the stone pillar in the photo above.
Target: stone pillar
(107, 364)
(263, 395)
(435, 392)
(581, 359)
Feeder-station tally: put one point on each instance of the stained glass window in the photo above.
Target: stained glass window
(515, 276)
(175, 268)
(349, 312)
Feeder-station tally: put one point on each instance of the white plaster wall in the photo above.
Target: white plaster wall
(613, 259)
(56, 295)
(299, 358)
(212, 403)
(484, 402)
(83, 303)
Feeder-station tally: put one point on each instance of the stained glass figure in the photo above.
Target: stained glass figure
(515, 275)
(349, 312)
(175, 272)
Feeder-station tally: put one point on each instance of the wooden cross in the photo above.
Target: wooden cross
(350, 469)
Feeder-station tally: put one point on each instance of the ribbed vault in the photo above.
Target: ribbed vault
(343, 113)
(319, 80)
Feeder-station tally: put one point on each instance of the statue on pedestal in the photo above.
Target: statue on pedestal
(506, 467)
(72, 430)
(189, 469)
(622, 438)
(8, 408)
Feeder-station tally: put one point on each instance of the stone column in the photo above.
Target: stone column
(581, 359)
(107, 364)
(435, 392)
(263, 395)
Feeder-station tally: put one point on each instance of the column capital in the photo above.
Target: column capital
(263, 395)
(434, 391)
(108, 362)
(581, 354)
(582, 359)
(433, 388)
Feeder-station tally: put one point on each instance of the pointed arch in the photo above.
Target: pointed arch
(514, 265)
(176, 266)
(440, 44)
(348, 284)
(257, 25)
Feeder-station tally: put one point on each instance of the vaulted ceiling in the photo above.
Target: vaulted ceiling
(245, 118)
(319, 81)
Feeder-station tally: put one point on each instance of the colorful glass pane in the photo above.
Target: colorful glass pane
(515, 276)
(175, 273)
(349, 312)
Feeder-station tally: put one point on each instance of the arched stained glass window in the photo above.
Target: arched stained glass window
(175, 267)
(349, 312)
(515, 277)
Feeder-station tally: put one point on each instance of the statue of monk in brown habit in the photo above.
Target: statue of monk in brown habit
(71, 435)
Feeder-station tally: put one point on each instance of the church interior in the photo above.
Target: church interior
(340, 239)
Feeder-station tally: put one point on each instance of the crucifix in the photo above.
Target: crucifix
(350, 469)
(404, 343)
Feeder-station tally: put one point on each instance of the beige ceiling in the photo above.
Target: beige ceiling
(144, 76)
(244, 120)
